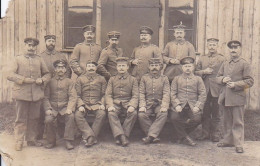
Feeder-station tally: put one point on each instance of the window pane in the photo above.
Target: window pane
(181, 11)
(79, 14)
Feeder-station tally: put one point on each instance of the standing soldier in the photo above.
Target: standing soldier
(207, 68)
(154, 98)
(188, 95)
(122, 99)
(107, 61)
(50, 55)
(90, 88)
(235, 77)
(141, 55)
(175, 50)
(85, 51)
(59, 105)
(29, 74)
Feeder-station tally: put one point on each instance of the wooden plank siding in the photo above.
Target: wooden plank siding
(224, 19)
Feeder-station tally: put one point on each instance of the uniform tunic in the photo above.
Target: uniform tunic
(176, 50)
(187, 92)
(107, 62)
(144, 53)
(211, 113)
(90, 90)
(122, 92)
(154, 95)
(28, 96)
(82, 53)
(234, 99)
(51, 56)
(60, 96)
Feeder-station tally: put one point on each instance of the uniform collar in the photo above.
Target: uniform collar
(59, 77)
(181, 42)
(88, 43)
(113, 49)
(30, 56)
(188, 76)
(91, 76)
(234, 60)
(155, 75)
(124, 76)
(50, 52)
(145, 45)
(212, 55)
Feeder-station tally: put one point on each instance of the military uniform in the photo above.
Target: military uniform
(211, 113)
(60, 96)
(28, 96)
(82, 53)
(122, 92)
(154, 95)
(90, 90)
(51, 56)
(234, 99)
(187, 92)
(176, 50)
(144, 53)
(107, 61)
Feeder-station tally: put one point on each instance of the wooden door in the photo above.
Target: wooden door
(127, 16)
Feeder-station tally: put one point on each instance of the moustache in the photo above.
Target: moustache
(155, 70)
(91, 70)
(233, 52)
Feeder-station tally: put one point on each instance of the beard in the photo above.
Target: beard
(50, 47)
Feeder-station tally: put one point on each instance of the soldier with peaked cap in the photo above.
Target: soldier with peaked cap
(90, 88)
(122, 99)
(59, 105)
(30, 75)
(235, 77)
(141, 55)
(154, 96)
(85, 51)
(49, 56)
(175, 50)
(188, 95)
(207, 67)
(107, 61)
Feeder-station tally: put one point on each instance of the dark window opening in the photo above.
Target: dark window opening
(77, 14)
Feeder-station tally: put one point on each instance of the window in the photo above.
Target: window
(78, 13)
(182, 11)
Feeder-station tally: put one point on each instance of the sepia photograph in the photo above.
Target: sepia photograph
(130, 82)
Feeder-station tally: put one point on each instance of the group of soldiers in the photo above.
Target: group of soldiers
(47, 97)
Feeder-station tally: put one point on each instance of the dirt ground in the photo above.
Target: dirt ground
(106, 153)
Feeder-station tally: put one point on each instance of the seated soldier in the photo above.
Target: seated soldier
(90, 88)
(59, 105)
(154, 98)
(122, 99)
(188, 95)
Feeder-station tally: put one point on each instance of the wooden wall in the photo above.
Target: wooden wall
(24, 18)
(237, 20)
(224, 19)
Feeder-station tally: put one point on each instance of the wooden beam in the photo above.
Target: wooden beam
(41, 23)
(162, 25)
(1, 59)
(22, 25)
(255, 55)
(51, 4)
(201, 26)
(59, 24)
(221, 26)
(32, 17)
(16, 27)
(98, 22)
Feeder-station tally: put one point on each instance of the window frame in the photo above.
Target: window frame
(65, 46)
(168, 31)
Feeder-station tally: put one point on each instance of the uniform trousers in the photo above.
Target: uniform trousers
(115, 124)
(64, 125)
(185, 122)
(152, 128)
(211, 116)
(234, 125)
(27, 119)
(84, 127)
